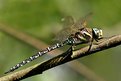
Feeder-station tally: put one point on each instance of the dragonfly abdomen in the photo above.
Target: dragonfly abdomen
(35, 56)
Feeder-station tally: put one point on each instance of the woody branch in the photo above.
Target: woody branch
(69, 55)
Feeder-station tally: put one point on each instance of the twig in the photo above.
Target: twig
(63, 58)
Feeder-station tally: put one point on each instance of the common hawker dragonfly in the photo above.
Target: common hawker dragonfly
(73, 34)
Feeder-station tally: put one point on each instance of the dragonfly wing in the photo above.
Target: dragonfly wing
(71, 27)
(63, 35)
(82, 22)
(67, 21)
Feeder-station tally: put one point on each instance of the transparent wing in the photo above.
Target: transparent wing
(82, 22)
(72, 28)
(67, 21)
(65, 32)
(63, 35)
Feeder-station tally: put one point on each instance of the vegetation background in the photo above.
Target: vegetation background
(41, 18)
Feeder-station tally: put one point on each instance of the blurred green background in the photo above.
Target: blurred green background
(39, 18)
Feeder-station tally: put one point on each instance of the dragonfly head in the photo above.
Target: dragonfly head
(98, 34)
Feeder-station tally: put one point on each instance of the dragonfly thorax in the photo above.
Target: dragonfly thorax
(84, 35)
(79, 37)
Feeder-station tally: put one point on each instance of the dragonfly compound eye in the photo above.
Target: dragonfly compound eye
(98, 33)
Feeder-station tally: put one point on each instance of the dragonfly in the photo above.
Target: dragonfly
(73, 33)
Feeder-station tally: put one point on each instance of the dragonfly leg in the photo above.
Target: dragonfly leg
(99, 41)
(90, 44)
